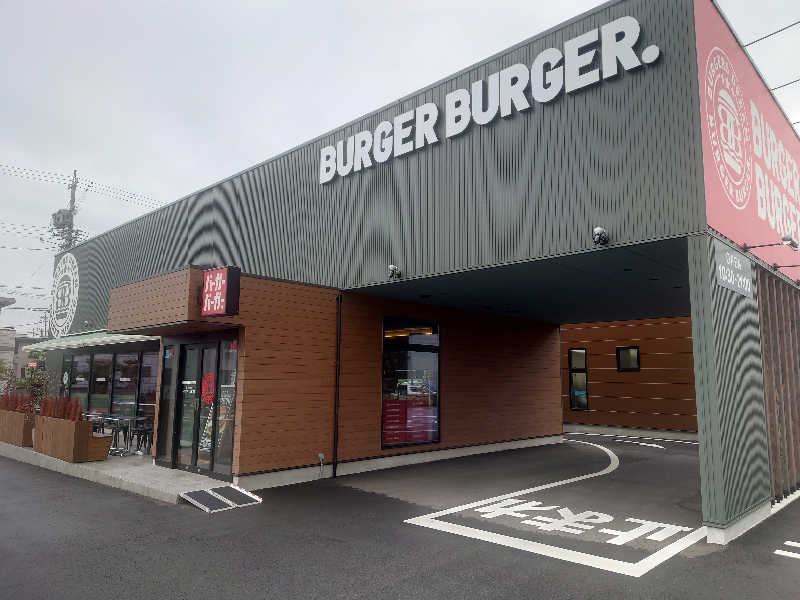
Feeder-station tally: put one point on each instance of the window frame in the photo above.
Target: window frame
(638, 367)
(584, 370)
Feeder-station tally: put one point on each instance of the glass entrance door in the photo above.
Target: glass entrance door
(208, 401)
(203, 410)
(195, 423)
(187, 407)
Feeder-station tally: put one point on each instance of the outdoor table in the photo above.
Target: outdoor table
(117, 423)
(122, 422)
(96, 418)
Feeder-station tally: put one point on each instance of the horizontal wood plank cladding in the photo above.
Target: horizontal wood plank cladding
(498, 377)
(779, 315)
(286, 381)
(158, 300)
(661, 395)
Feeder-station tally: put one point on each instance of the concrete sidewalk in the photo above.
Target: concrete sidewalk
(135, 474)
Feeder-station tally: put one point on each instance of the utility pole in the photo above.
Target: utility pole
(73, 187)
(63, 221)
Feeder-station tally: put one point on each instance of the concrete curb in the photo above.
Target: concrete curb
(112, 475)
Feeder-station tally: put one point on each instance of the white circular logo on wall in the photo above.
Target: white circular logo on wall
(65, 295)
(728, 128)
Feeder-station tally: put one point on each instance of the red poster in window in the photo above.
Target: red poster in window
(207, 388)
(750, 151)
(220, 292)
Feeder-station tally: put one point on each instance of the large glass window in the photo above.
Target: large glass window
(126, 380)
(223, 451)
(578, 390)
(147, 386)
(79, 380)
(100, 398)
(410, 382)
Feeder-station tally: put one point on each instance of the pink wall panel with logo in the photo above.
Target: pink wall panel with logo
(751, 152)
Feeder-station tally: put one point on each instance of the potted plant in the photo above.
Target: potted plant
(61, 433)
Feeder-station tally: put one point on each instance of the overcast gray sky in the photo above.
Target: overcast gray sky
(163, 98)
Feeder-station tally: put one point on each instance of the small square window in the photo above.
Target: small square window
(628, 358)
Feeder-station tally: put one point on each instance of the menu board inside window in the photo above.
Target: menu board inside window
(410, 398)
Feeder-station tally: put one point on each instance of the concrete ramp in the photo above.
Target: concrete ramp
(221, 498)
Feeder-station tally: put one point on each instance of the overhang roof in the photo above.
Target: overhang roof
(93, 338)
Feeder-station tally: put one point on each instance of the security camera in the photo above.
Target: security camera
(394, 272)
(600, 236)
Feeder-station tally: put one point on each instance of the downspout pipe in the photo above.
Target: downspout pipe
(335, 459)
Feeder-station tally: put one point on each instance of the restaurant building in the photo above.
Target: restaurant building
(583, 228)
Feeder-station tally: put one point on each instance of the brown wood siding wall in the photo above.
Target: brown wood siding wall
(499, 377)
(659, 396)
(160, 300)
(286, 375)
(779, 313)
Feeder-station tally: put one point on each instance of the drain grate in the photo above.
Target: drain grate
(220, 498)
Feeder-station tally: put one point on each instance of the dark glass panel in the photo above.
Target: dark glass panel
(126, 378)
(577, 359)
(405, 332)
(208, 393)
(79, 382)
(147, 386)
(579, 399)
(226, 402)
(410, 396)
(64, 379)
(628, 359)
(188, 399)
(166, 419)
(100, 398)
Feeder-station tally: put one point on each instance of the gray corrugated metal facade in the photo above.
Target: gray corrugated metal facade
(729, 388)
(626, 152)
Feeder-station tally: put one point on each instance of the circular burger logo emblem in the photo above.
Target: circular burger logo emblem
(65, 295)
(728, 129)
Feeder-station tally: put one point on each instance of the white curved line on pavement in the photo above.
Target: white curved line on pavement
(612, 466)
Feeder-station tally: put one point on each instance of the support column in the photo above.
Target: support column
(734, 456)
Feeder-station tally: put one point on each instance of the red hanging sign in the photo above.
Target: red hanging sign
(220, 292)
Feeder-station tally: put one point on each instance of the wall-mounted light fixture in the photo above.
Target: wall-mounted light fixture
(786, 240)
(600, 236)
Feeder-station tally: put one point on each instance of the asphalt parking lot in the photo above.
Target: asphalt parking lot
(565, 521)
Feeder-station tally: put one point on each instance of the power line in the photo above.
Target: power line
(29, 249)
(113, 192)
(784, 85)
(769, 35)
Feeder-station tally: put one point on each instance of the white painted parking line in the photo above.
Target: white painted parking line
(788, 554)
(640, 443)
(634, 437)
(508, 505)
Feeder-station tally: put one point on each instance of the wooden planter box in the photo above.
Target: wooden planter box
(71, 441)
(16, 428)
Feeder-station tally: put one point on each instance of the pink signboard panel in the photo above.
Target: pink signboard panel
(750, 150)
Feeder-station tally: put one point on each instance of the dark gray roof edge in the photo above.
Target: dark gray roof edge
(421, 90)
